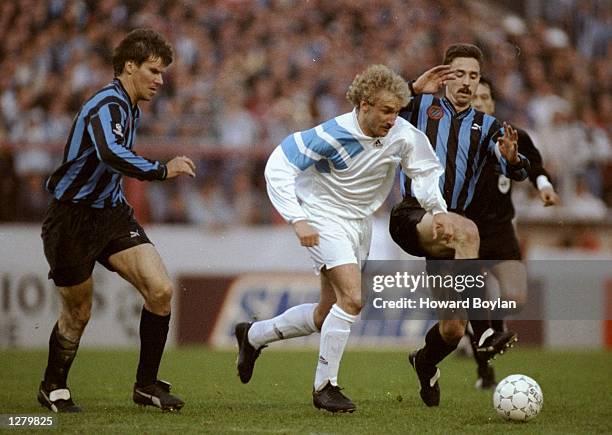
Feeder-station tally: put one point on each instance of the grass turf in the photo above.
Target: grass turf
(577, 390)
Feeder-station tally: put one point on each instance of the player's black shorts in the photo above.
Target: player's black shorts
(403, 222)
(498, 241)
(76, 236)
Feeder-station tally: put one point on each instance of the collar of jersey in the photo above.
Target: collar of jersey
(453, 111)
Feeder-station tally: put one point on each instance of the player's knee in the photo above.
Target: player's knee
(468, 234)
(452, 331)
(352, 304)
(160, 295)
(79, 315)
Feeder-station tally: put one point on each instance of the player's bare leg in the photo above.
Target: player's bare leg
(326, 300)
(444, 336)
(142, 266)
(512, 278)
(63, 345)
(345, 280)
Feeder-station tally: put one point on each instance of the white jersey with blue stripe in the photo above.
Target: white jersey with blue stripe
(336, 168)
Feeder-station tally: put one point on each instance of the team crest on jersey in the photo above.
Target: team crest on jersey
(435, 112)
(503, 184)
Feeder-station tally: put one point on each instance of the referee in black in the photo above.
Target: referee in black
(90, 220)
(492, 211)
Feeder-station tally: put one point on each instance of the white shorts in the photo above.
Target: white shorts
(341, 241)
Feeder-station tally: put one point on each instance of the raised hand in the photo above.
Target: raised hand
(430, 81)
(180, 165)
(508, 144)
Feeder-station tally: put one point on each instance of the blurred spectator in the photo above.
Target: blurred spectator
(8, 184)
(207, 206)
(247, 73)
(585, 205)
(32, 167)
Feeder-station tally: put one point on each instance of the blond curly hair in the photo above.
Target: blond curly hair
(373, 79)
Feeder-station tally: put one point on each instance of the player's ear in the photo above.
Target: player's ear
(129, 67)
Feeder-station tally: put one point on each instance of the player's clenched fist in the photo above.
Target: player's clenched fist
(308, 235)
(180, 165)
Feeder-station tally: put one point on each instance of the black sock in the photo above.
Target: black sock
(482, 363)
(153, 334)
(436, 348)
(478, 317)
(498, 325)
(61, 355)
(479, 326)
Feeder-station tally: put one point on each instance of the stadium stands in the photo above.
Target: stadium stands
(249, 72)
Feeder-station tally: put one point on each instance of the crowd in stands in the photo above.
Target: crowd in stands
(249, 72)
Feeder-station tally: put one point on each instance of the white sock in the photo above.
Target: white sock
(295, 322)
(334, 335)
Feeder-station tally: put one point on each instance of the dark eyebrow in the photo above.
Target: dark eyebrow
(155, 70)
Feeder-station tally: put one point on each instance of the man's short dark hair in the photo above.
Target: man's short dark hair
(485, 81)
(139, 45)
(462, 50)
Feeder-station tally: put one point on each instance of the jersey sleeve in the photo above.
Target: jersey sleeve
(106, 129)
(528, 149)
(280, 174)
(422, 166)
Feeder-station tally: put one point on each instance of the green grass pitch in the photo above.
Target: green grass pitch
(577, 388)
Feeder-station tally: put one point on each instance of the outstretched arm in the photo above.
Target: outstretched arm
(537, 174)
(106, 129)
(424, 169)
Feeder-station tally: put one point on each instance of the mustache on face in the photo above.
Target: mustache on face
(465, 91)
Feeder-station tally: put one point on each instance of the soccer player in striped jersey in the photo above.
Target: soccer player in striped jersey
(492, 211)
(90, 220)
(327, 182)
(464, 140)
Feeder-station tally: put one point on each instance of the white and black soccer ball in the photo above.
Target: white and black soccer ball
(518, 398)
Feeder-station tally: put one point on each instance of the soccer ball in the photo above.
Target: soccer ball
(518, 398)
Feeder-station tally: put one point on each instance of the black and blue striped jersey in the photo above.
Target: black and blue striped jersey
(464, 142)
(99, 152)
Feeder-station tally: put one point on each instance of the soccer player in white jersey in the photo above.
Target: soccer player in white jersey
(327, 182)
